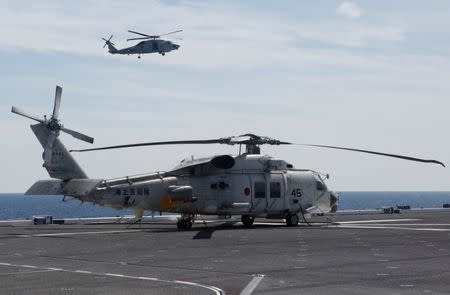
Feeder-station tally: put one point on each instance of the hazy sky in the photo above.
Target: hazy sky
(364, 74)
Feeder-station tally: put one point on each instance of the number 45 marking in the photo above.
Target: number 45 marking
(296, 192)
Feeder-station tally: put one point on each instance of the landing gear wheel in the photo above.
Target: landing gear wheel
(139, 56)
(291, 220)
(184, 224)
(247, 220)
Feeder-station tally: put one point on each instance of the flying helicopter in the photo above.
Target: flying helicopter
(247, 184)
(153, 44)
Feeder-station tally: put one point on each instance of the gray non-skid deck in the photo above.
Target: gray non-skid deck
(404, 253)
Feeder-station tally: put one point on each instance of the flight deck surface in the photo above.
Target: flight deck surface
(404, 253)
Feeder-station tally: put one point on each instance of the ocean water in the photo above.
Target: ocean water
(19, 206)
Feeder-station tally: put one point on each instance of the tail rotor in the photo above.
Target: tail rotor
(107, 42)
(53, 125)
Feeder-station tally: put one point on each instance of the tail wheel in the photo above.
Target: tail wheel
(292, 220)
(247, 220)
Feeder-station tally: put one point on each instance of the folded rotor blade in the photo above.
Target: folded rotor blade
(78, 135)
(134, 32)
(377, 153)
(58, 93)
(171, 33)
(140, 38)
(206, 141)
(49, 147)
(18, 111)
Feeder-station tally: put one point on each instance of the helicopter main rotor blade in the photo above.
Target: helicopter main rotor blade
(78, 135)
(171, 33)
(139, 38)
(18, 111)
(134, 32)
(204, 141)
(58, 93)
(377, 153)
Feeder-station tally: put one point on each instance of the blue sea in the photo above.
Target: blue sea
(19, 206)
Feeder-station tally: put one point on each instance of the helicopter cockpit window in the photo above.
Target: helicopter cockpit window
(275, 190)
(260, 190)
(132, 192)
(320, 186)
(139, 191)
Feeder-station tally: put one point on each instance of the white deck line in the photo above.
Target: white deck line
(214, 289)
(252, 285)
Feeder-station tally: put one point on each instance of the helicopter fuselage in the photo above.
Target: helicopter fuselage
(147, 46)
(254, 185)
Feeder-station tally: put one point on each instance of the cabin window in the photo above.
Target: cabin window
(275, 190)
(260, 190)
(118, 191)
(124, 192)
(132, 192)
(320, 186)
(146, 191)
(139, 191)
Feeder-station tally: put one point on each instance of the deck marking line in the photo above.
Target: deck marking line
(216, 290)
(392, 227)
(83, 271)
(86, 233)
(252, 285)
(375, 221)
(25, 272)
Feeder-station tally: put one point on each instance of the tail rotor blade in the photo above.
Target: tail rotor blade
(58, 93)
(107, 41)
(78, 135)
(18, 111)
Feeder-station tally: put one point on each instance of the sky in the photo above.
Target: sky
(362, 74)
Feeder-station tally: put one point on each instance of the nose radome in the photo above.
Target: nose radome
(176, 46)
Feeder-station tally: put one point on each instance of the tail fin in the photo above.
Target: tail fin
(111, 48)
(60, 163)
(57, 160)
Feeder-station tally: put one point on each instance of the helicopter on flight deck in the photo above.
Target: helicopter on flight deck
(248, 184)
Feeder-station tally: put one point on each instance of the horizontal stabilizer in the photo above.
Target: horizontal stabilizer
(46, 187)
(80, 187)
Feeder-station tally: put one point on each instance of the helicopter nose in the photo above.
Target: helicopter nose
(176, 46)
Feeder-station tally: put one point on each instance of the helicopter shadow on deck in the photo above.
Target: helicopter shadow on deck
(208, 230)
